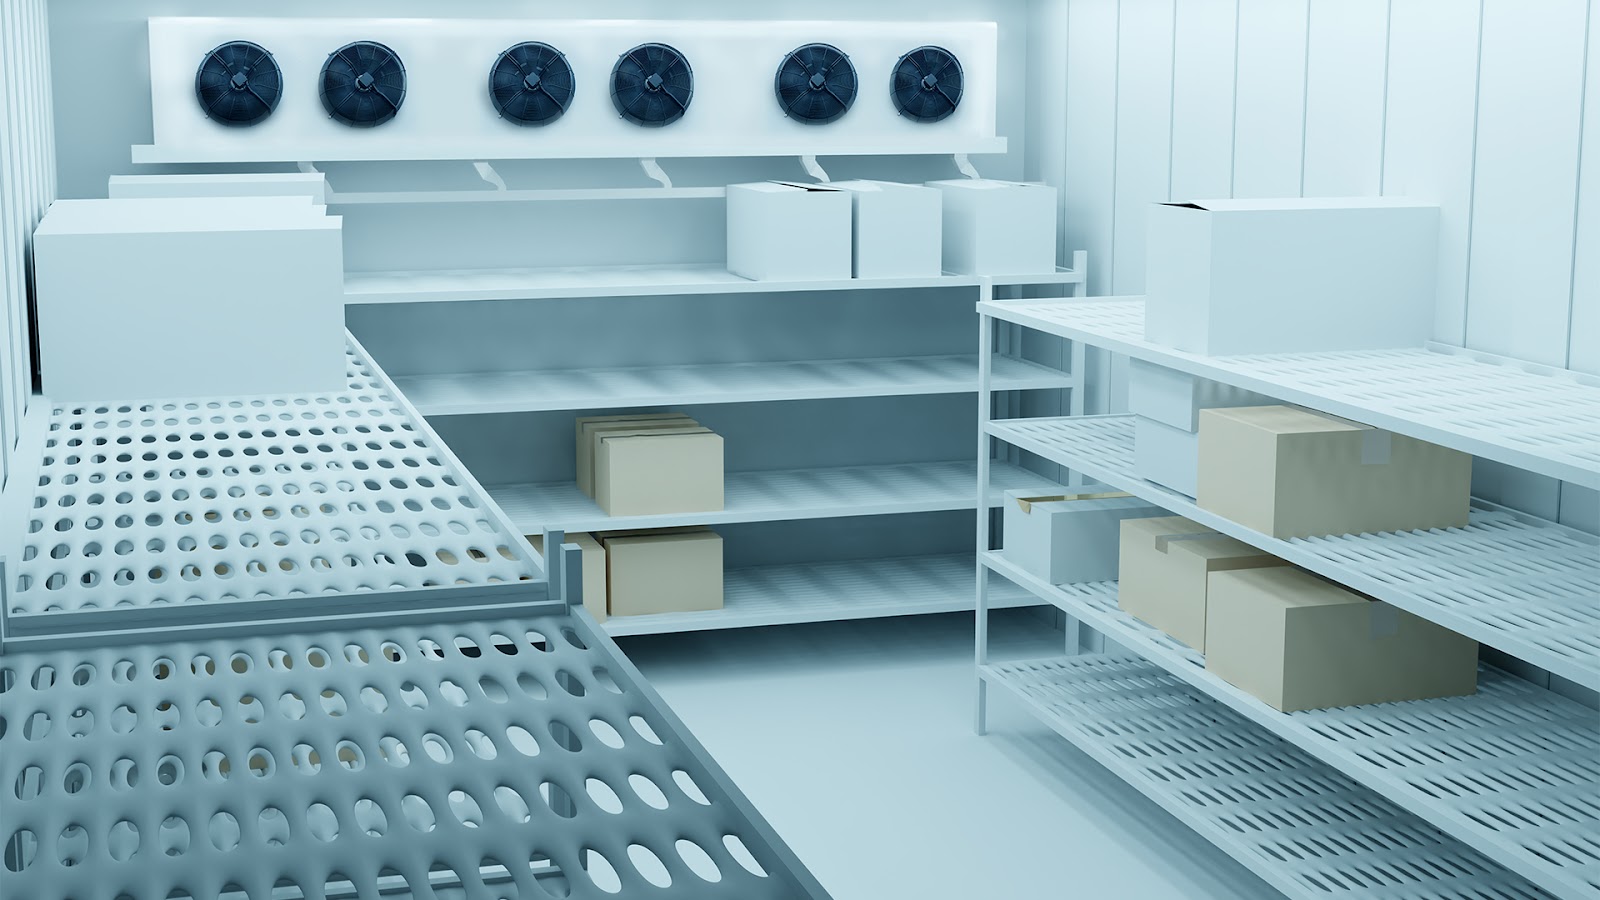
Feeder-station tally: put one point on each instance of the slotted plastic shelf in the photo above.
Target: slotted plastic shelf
(1512, 771)
(1521, 585)
(689, 385)
(1541, 420)
(780, 495)
(833, 591)
(182, 503)
(501, 759)
(1306, 829)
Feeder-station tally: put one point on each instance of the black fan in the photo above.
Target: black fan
(531, 84)
(363, 84)
(238, 84)
(816, 84)
(651, 85)
(927, 84)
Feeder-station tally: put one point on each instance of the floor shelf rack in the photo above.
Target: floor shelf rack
(1505, 784)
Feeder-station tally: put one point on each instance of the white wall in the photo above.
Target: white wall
(1477, 105)
(27, 186)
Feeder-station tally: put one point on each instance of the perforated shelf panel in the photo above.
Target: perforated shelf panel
(1306, 829)
(1512, 771)
(780, 495)
(822, 379)
(502, 759)
(1529, 588)
(181, 503)
(1545, 421)
(831, 592)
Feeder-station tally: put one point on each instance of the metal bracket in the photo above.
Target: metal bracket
(309, 169)
(965, 165)
(487, 173)
(809, 163)
(654, 170)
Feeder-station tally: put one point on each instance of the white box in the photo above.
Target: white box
(779, 231)
(998, 227)
(899, 229)
(1167, 456)
(1069, 538)
(166, 298)
(1175, 398)
(1235, 277)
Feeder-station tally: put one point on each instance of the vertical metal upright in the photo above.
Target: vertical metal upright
(985, 413)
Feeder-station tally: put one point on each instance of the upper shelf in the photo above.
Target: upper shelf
(819, 379)
(1542, 420)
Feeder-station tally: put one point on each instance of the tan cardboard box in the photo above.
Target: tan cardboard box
(1291, 472)
(1297, 642)
(1164, 565)
(588, 426)
(670, 570)
(594, 570)
(663, 470)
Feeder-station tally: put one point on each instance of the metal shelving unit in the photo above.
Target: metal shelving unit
(1512, 772)
(1519, 584)
(429, 714)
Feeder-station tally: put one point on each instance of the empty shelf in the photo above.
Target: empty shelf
(554, 389)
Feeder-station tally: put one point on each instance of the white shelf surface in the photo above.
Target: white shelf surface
(1518, 584)
(691, 385)
(831, 592)
(780, 495)
(1512, 771)
(490, 195)
(1542, 420)
(1304, 828)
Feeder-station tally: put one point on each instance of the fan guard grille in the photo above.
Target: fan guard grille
(816, 84)
(531, 84)
(238, 84)
(927, 84)
(651, 85)
(363, 84)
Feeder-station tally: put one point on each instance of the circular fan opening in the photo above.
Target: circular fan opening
(651, 85)
(531, 84)
(238, 84)
(927, 84)
(816, 84)
(363, 84)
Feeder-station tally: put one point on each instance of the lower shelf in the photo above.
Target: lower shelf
(1304, 828)
(1512, 771)
(825, 592)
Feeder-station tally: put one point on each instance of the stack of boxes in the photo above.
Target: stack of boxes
(645, 465)
(787, 231)
(1252, 277)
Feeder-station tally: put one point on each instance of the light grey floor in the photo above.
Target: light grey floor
(855, 740)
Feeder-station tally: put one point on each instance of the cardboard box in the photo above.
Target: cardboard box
(594, 570)
(1165, 565)
(1175, 398)
(1298, 642)
(191, 297)
(588, 426)
(657, 471)
(1291, 472)
(1165, 455)
(670, 570)
(1226, 277)
(780, 231)
(998, 227)
(1068, 538)
(899, 229)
